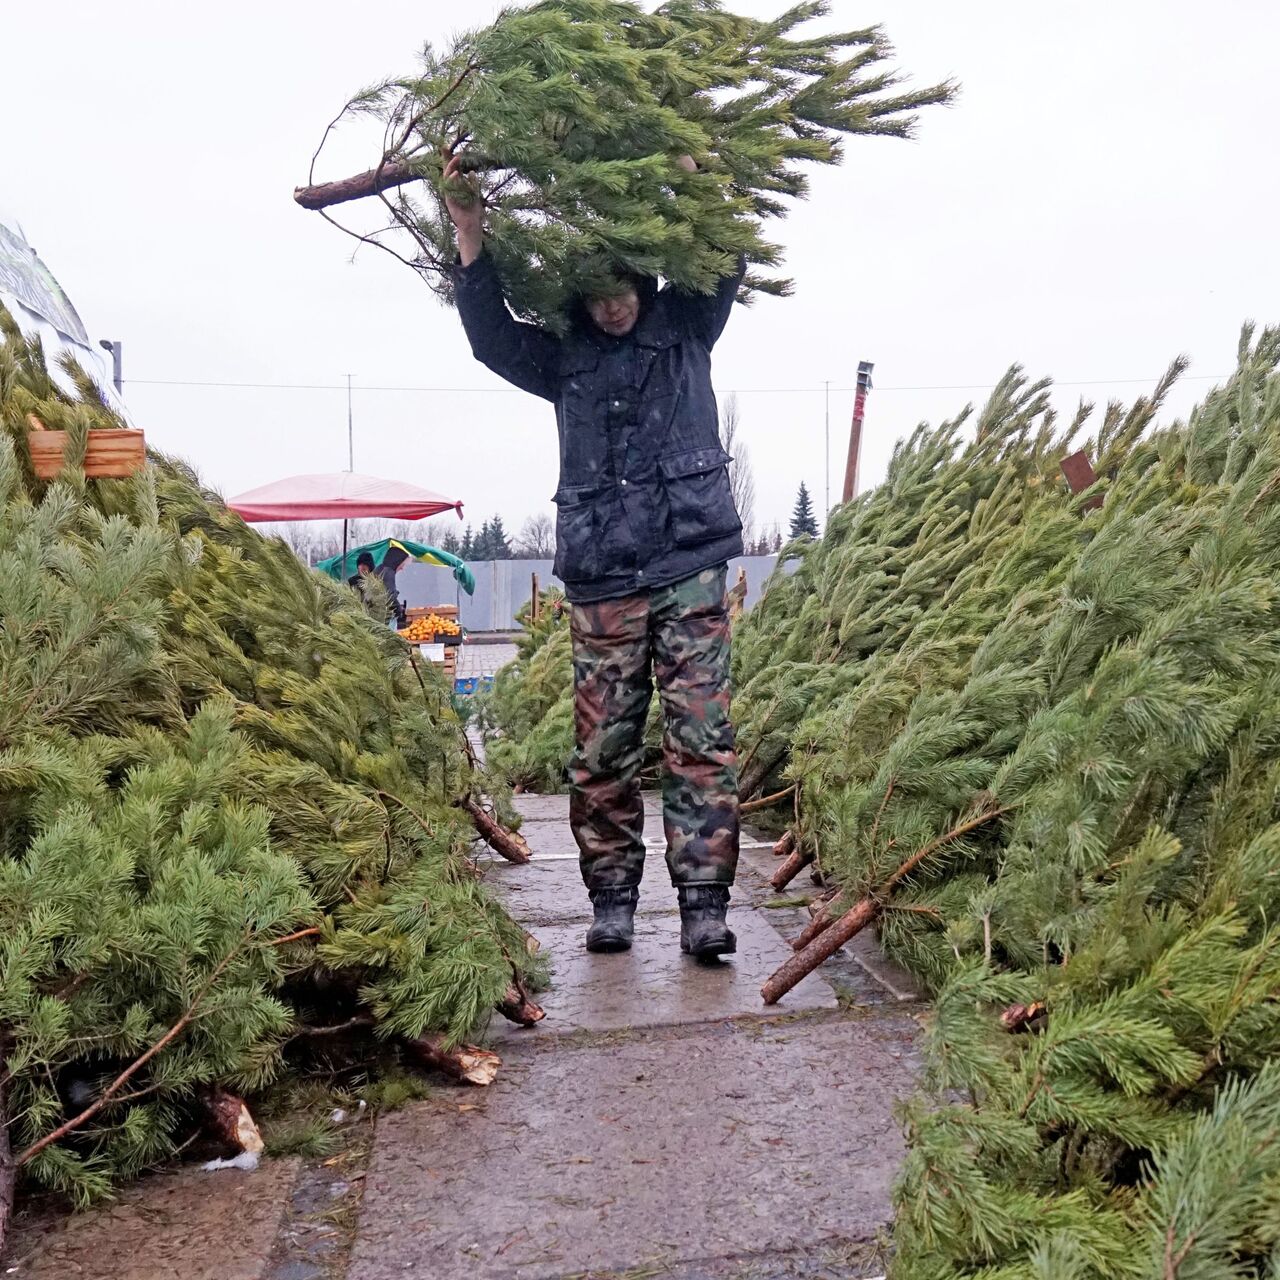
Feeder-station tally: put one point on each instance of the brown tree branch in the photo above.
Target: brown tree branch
(508, 843)
(296, 937)
(465, 1063)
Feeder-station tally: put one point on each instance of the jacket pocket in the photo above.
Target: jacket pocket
(699, 496)
(577, 540)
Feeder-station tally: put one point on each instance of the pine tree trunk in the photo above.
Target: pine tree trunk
(464, 1063)
(510, 845)
(755, 777)
(797, 860)
(821, 921)
(822, 948)
(395, 173)
(833, 937)
(8, 1169)
(785, 845)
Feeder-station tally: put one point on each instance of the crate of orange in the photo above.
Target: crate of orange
(432, 626)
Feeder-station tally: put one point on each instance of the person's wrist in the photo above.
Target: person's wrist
(470, 245)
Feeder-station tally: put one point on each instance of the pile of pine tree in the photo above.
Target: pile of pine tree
(528, 715)
(573, 115)
(233, 816)
(1031, 735)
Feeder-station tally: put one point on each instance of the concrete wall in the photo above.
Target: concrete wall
(503, 586)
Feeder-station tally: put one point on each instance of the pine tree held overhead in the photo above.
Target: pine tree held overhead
(573, 114)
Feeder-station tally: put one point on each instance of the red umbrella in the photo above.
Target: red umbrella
(341, 495)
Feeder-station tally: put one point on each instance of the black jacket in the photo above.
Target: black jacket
(644, 496)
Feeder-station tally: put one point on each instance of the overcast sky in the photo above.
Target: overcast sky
(1102, 197)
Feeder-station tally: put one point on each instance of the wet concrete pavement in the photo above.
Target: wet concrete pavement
(660, 1122)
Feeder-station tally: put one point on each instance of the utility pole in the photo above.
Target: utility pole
(117, 362)
(351, 447)
(855, 431)
(826, 451)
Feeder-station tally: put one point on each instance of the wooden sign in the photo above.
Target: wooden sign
(111, 454)
(1080, 476)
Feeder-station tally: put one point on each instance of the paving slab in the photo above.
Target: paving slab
(660, 1150)
(655, 985)
(187, 1225)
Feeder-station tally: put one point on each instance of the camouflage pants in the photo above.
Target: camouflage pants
(677, 636)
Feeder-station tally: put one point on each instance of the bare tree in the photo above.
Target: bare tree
(741, 479)
(315, 540)
(537, 538)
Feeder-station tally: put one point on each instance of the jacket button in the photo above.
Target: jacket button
(624, 484)
(617, 404)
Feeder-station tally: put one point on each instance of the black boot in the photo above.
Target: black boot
(703, 932)
(615, 910)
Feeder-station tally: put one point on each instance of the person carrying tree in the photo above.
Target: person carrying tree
(646, 524)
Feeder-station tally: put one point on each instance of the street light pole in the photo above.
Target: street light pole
(117, 362)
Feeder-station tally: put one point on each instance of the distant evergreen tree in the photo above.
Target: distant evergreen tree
(499, 546)
(467, 548)
(451, 543)
(803, 521)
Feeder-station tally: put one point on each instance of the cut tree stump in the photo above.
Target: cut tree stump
(465, 1062)
(516, 1006)
(785, 845)
(230, 1120)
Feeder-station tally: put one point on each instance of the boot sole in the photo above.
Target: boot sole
(710, 950)
(608, 946)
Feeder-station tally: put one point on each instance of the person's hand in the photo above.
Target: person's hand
(688, 164)
(466, 209)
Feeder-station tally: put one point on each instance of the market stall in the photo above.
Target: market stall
(346, 495)
(435, 627)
